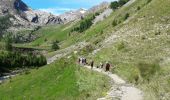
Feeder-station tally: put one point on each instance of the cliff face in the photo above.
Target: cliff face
(73, 15)
(25, 17)
(98, 8)
(80, 13)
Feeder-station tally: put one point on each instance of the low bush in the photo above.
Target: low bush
(147, 70)
(148, 1)
(88, 49)
(5, 23)
(120, 46)
(138, 8)
(55, 45)
(126, 16)
(114, 23)
(116, 4)
(84, 24)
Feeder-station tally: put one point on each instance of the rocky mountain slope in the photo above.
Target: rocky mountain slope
(24, 16)
(134, 38)
(73, 15)
(100, 7)
(80, 13)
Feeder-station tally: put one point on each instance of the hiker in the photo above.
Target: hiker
(79, 60)
(101, 65)
(85, 61)
(82, 60)
(107, 66)
(92, 64)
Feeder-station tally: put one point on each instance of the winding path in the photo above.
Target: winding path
(66, 51)
(120, 90)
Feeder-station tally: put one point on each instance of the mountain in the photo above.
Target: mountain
(134, 39)
(100, 7)
(73, 15)
(81, 13)
(24, 16)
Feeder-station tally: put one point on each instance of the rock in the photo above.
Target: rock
(81, 13)
(102, 16)
(73, 15)
(25, 17)
(100, 7)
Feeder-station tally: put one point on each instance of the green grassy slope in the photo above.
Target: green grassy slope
(143, 37)
(62, 80)
(47, 35)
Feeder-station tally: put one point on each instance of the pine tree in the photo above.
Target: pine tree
(55, 45)
(8, 44)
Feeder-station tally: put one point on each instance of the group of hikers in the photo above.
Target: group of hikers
(83, 61)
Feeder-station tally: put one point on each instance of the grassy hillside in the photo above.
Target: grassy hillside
(137, 45)
(63, 80)
(142, 40)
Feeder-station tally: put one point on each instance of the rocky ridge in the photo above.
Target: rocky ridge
(24, 16)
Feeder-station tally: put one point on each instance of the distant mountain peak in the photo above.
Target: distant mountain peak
(82, 10)
(24, 16)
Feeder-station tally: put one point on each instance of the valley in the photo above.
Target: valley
(132, 35)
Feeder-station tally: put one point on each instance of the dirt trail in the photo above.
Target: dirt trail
(120, 90)
(66, 51)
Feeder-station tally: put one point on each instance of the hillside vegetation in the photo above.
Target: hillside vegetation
(134, 39)
(62, 80)
(138, 46)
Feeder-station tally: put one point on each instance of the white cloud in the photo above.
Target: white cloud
(71, 5)
(56, 11)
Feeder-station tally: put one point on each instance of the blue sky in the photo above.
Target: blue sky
(61, 6)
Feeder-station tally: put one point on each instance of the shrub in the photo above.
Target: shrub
(120, 46)
(5, 23)
(86, 50)
(138, 8)
(27, 71)
(45, 40)
(158, 33)
(97, 40)
(97, 14)
(101, 32)
(126, 16)
(122, 2)
(148, 1)
(147, 70)
(8, 44)
(114, 23)
(84, 24)
(55, 46)
(114, 5)
(143, 37)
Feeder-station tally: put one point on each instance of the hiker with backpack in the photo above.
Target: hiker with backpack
(92, 64)
(107, 66)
